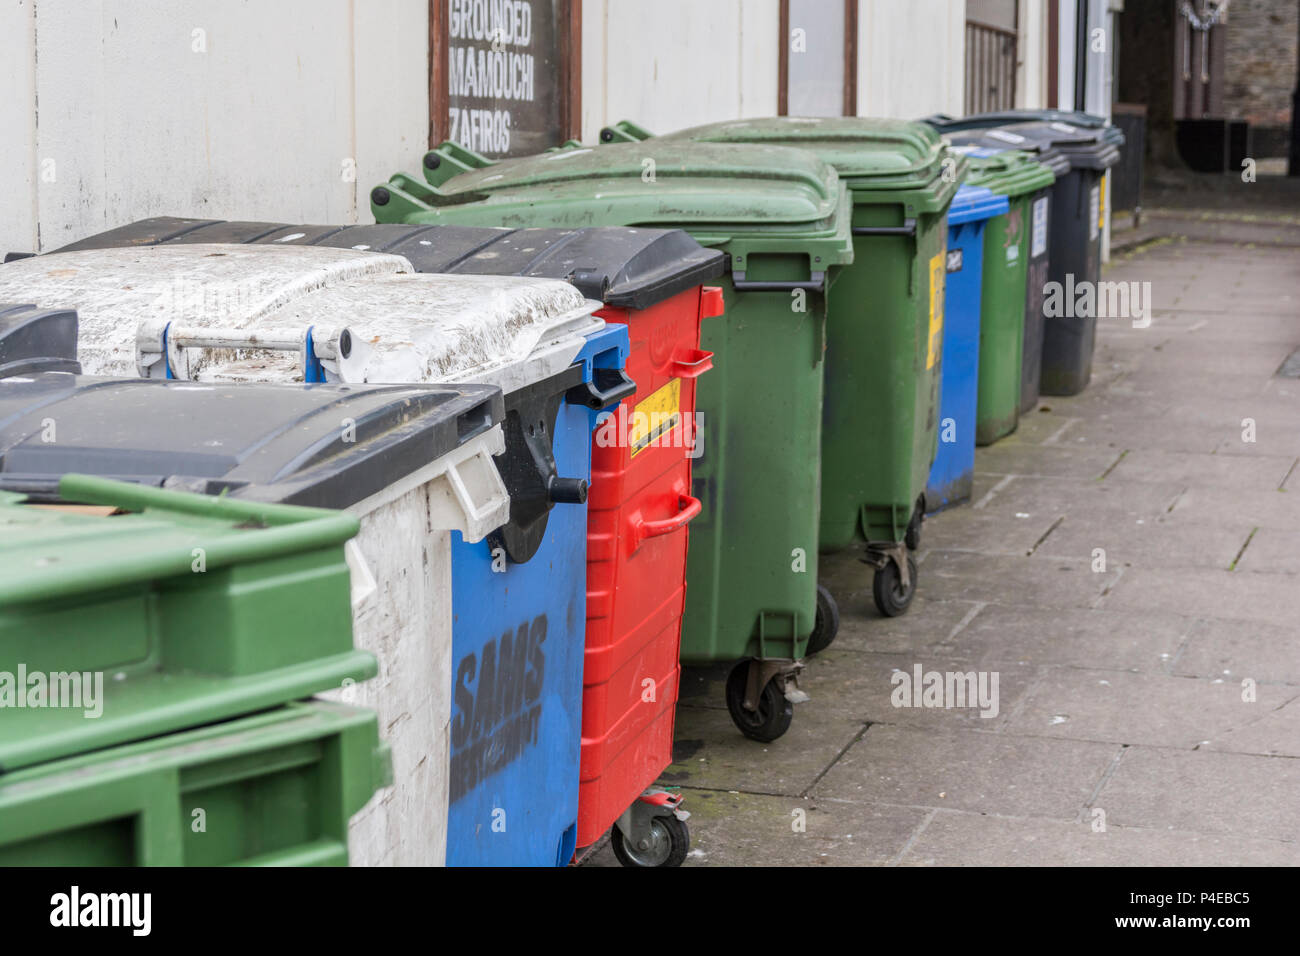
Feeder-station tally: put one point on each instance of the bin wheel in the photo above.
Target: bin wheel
(670, 838)
(892, 599)
(771, 720)
(912, 537)
(827, 624)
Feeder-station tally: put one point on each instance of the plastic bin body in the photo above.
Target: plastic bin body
(751, 585)
(517, 692)
(271, 789)
(953, 472)
(412, 457)
(1015, 270)
(120, 597)
(1077, 217)
(638, 514)
(640, 499)
(885, 313)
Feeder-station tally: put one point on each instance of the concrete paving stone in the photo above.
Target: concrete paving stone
(1255, 326)
(1273, 550)
(969, 839)
(1193, 356)
(1058, 637)
(1140, 432)
(1162, 386)
(1150, 542)
(1200, 592)
(1152, 709)
(863, 628)
(743, 829)
(1275, 730)
(864, 687)
(1197, 507)
(1018, 581)
(1267, 652)
(1228, 793)
(1010, 457)
(1001, 530)
(979, 772)
(710, 753)
(1038, 426)
(1086, 497)
(1102, 401)
(1199, 470)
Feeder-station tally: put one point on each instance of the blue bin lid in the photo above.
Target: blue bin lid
(975, 202)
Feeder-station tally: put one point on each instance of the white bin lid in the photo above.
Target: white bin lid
(404, 327)
(114, 290)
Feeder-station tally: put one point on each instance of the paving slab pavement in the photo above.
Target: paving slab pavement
(1149, 709)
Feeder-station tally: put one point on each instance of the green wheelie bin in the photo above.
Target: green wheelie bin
(1011, 243)
(884, 325)
(781, 215)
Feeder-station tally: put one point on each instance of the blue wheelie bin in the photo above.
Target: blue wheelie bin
(953, 471)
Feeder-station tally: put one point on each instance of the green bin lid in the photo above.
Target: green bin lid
(774, 199)
(869, 154)
(1009, 172)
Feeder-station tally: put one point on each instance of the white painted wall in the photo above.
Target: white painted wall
(111, 114)
(677, 63)
(911, 57)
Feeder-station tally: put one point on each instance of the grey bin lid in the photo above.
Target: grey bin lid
(276, 443)
(621, 266)
(33, 339)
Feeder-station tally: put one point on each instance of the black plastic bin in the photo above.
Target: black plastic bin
(1077, 215)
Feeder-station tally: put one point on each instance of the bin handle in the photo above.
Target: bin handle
(908, 228)
(608, 386)
(816, 284)
(692, 363)
(689, 508)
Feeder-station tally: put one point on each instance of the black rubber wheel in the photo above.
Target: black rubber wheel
(827, 624)
(771, 720)
(912, 537)
(891, 598)
(670, 838)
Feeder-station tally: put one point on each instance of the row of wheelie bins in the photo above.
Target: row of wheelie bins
(593, 414)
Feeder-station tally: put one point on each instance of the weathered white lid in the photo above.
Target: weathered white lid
(449, 328)
(404, 327)
(115, 290)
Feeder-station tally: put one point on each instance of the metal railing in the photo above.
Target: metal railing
(990, 68)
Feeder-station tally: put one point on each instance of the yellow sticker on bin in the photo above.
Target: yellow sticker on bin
(938, 273)
(657, 416)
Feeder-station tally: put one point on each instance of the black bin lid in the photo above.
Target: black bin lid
(1084, 148)
(34, 339)
(274, 443)
(622, 266)
(951, 124)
